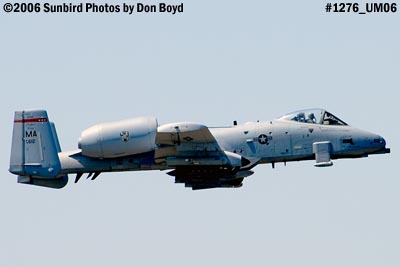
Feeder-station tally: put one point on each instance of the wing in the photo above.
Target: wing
(186, 140)
(197, 158)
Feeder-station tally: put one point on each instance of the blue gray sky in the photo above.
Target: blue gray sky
(217, 62)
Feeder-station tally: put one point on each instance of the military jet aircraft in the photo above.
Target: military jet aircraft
(199, 156)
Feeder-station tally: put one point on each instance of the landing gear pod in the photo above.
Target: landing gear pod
(322, 151)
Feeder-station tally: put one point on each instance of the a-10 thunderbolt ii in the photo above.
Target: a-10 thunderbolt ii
(199, 156)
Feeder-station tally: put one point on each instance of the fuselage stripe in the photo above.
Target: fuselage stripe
(31, 120)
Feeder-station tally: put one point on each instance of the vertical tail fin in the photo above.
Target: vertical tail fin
(34, 150)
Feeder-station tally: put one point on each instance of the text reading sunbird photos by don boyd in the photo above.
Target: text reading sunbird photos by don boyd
(128, 8)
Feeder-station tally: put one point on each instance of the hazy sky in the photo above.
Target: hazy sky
(217, 62)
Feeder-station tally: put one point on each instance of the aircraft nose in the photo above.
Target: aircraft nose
(379, 141)
(380, 144)
(376, 140)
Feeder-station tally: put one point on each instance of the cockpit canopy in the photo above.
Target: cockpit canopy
(314, 116)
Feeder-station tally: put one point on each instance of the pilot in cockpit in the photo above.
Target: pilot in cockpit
(301, 117)
(311, 118)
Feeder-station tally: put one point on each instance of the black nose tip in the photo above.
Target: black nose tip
(380, 141)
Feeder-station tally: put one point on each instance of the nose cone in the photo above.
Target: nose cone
(381, 144)
(375, 144)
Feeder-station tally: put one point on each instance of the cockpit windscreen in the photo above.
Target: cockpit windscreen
(314, 116)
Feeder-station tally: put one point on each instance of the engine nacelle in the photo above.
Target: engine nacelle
(120, 138)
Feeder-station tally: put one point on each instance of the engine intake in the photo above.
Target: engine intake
(120, 138)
